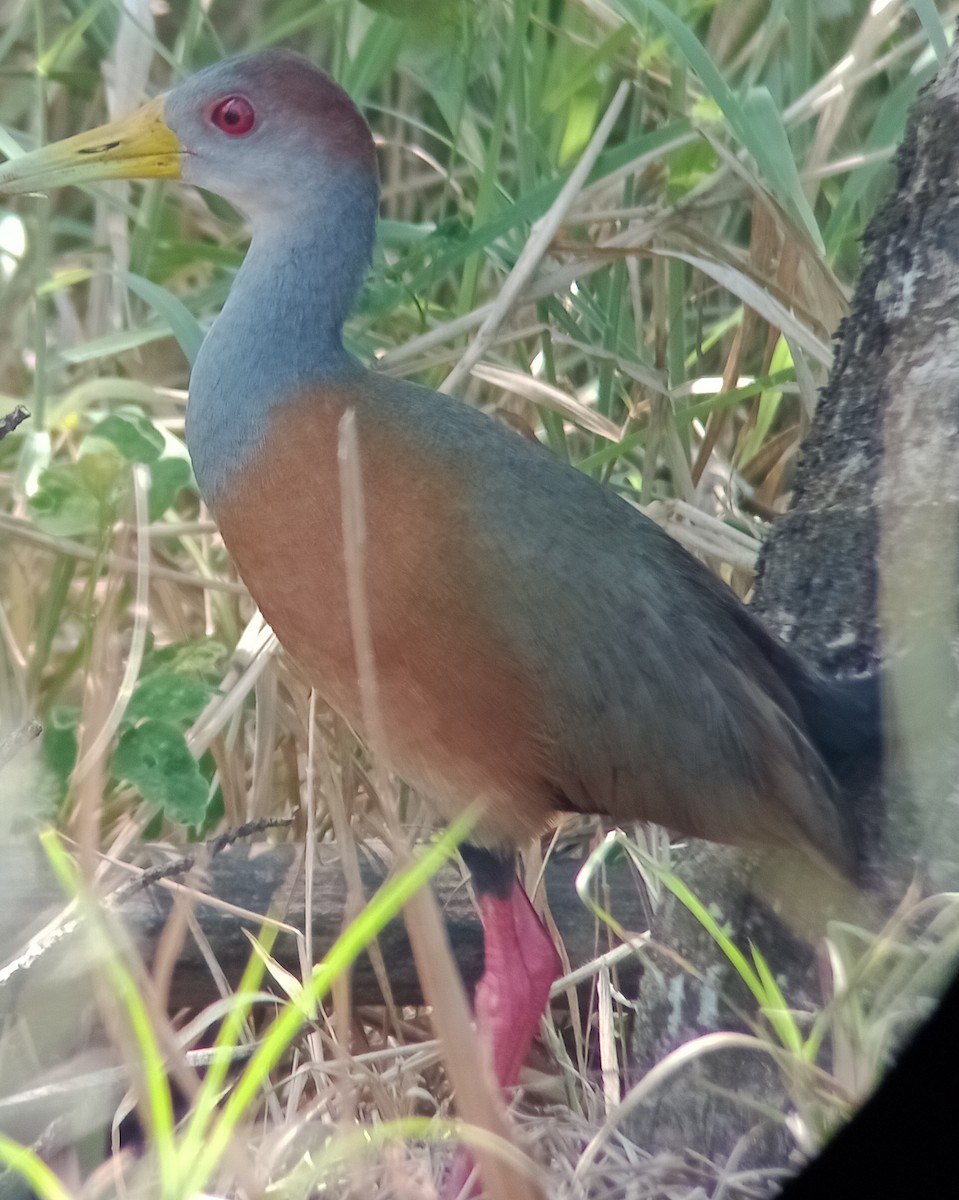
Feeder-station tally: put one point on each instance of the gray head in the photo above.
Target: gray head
(269, 132)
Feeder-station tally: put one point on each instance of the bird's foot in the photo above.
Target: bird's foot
(521, 967)
(455, 1184)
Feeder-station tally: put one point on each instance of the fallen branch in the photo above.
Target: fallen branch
(9, 423)
(269, 880)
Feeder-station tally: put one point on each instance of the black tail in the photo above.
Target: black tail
(843, 718)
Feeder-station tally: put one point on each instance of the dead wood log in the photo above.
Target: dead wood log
(269, 880)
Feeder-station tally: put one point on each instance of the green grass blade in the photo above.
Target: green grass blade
(691, 49)
(526, 209)
(931, 21)
(230, 1033)
(754, 120)
(152, 1067)
(37, 1175)
(375, 57)
(776, 1009)
(886, 130)
(382, 908)
(778, 158)
(758, 979)
(183, 324)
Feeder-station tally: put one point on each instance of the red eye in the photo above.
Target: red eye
(234, 116)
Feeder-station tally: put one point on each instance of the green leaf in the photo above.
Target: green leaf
(770, 400)
(101, 32)
(374, 56)
(176, 699)
(112, 344)
(774, 156)
(61, 280)
(183, 324)
(90, 17)
(102, 472)
(405, 10)
(200, 657)
(168, 478)
(181, 253)
(688, 166)
(132, 434)
(215, 808)
(156, 760)
(65, 504)
(581, 120)
(585, 71)
(214, 1138)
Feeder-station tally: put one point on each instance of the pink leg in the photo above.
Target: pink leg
(521, 967)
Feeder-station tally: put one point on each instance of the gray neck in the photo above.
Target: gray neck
(281, 328)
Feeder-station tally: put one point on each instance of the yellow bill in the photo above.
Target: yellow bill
(140, 146)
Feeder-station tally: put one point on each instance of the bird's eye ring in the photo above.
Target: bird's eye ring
(233, 115)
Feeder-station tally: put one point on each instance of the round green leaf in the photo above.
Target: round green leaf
(176, 699)
(168, 477)
(156, 760)
(132, 434)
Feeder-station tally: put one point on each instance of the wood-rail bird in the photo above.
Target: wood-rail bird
(539, 645)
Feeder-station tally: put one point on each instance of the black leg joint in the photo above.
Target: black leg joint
(493, 873)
